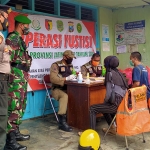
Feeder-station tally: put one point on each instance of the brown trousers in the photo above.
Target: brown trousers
(62, 97)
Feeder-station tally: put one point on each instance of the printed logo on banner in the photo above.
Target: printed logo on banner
(76, 67)
(71, 26)
(48, 24)
(79, 28)
(36, 25)
(60, 25)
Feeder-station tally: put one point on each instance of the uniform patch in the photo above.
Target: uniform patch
(99, 68)
(62, 69)
(6, 49)
(90, 70)
(1, 39)
(71, 68)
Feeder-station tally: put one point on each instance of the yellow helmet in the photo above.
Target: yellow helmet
(89, 140)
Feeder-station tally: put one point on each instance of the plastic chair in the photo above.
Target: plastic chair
(130, 104)
(47, 84)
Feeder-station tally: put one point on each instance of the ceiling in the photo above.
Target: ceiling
(115, 3)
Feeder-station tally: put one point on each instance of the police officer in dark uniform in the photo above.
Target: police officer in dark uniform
(4, 74)
(92, 67)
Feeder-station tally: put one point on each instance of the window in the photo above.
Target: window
(67, 10)
(45, 6)
(58, 7)
(24, 3)
(86, 14)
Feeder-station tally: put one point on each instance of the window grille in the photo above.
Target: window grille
(67, 10)
(45, 6)
(87, 14)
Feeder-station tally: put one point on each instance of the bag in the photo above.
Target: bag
(112, 97)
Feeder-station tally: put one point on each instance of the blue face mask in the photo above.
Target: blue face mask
(131, 63)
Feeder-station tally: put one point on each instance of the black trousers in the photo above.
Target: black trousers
(3, 112)
(108, 110)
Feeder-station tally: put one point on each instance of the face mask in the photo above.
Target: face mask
(25, 31)
(131, 63)
(5, 24)
(95, 63)
(69, 60)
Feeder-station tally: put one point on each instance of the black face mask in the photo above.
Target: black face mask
(69, 60)
(5, 24)
(25, 31)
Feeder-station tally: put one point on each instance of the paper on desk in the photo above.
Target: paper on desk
(96, 81)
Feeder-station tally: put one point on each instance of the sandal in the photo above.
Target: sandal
(79, 133)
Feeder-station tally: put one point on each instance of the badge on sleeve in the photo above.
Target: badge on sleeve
(63, 69)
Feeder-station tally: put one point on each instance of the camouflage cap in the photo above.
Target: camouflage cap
(69, 53)
(5, 8)
(22, 19)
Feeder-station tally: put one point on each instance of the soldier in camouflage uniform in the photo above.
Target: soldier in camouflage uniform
(20, 64)
(4, 74)
(92, 67)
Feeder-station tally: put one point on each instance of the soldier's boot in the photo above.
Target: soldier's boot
(63, 124)
(21, 137)
(11, 143)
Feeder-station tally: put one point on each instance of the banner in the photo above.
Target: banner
(135, 32)
(130, 33)
(49, 37)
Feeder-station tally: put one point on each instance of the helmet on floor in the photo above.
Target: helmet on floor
(89, 140)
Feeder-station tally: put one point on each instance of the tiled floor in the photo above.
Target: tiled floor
(46, 136)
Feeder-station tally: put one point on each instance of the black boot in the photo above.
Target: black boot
(21, 137)
(63, 124)
(11, 143)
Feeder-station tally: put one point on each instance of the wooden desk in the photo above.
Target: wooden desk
(80, 98)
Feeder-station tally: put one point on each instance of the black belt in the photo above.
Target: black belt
(59, 87)
(4, 77)
(20, 66)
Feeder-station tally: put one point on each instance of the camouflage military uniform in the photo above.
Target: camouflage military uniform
(88, 68)
(20, 62)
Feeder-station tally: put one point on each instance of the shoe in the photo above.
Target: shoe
(63, 124)
(11, 143)
(21, 137)
(112, 130)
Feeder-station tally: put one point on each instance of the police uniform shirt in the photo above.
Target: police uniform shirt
(4, 56)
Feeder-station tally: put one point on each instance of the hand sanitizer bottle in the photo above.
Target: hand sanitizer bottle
(87, 81)
(80, 77)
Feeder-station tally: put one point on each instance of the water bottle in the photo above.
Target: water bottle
(80, 77)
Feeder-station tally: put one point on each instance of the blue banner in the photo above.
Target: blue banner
(135, 24)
